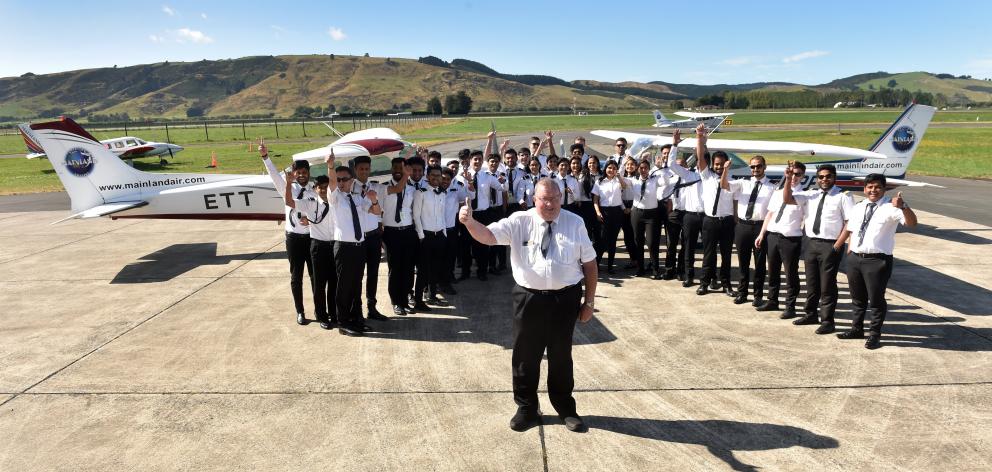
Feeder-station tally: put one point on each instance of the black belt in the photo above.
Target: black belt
(615, 206)
(398, 228)
(720, 217)
(749, 222)
(434, 233)
(831, 241)
(645, 209)
(550, 292)
(790, 238)
(874, 255)
(290, 234)
(453, 228)
(350, 243)
(697, 213)
(372, 233)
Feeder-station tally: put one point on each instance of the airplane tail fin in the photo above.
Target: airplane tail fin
(91, 174)
(903, 137)
(659, 118)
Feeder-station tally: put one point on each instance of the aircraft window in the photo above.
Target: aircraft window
(118, 144)
(141, 141)
(130, 142)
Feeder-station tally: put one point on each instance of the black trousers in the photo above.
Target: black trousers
(373, 255)
(717, 233)
(674, 258)
(298, 253)
(544, 322)
(612, 222)
(431, 266)
(783, 251)
(401, 253)
(349, 261)
(480, 252)
(465, 249)
(629, 237)
(452, 245)
(822, 264)
(647, 230)
(868, 278)
(744, 235)
(324, 278)
(692, 225)
(497, 254)
(588, 213)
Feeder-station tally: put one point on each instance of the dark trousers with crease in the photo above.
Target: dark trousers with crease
(544, 322)
(298, 253)
(692, 225)
(674, 257)
(497, 254)
(349, 262)
(744, 235)
(588, 213)
(717, 233)
(466, 248)
(822, 263)
(324, 278)
(373, 255)
(431, 266)
(452, 244)
(647, 230)
(783, 252)
(612, 222)
(401, 253)
(629, 236)
(481, 252)
(868, 278)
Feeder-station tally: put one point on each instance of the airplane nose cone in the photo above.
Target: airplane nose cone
(175, 147)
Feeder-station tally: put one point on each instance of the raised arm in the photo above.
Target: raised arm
(725, 176)
(277, 180)
(287, 195)
(490, 141)
(478, 230)
(401, 185)
(907, 212)
(787, 197)
(551, 143)
(701, 161)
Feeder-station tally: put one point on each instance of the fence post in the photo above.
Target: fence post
(205, 132)
(304, 123)
(243, 132)
(277, 128)
(125, 128)
(167, 139)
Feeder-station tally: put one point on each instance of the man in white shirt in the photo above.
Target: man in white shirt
(783, 227)
(827, 210)
(752, 196)
(718, 222)
(418, 180)
(373, 233)
(297, 232)
(399, 235)
(316, 210)
(486, 189)
(551, 257)
(644, 218)
(455, 192)
(692, 206)
(872, 229)
(670, 202)
(496, 184)
(429, 220)
(621, 154)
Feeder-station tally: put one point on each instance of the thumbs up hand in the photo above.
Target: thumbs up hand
(465, 214)
(898, 202)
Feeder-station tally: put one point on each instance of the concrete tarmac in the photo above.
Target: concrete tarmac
(164, 345)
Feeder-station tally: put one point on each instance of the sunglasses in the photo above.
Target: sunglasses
(344, 179)
(757, 166)
(824, 177)
(621, 145)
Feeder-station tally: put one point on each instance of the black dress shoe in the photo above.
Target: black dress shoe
(435, 301)
(524, 420)
(740, 299)
(409, 309)
(683, 278)
(769, 305)
(789, 313)
(687, 283)
(825, 329)
(657, 276)
(399, 310)
(375, 315)
(702, 290)
(668, 276)
(574, 424)
(758, 302)
(874, 342)
(325, 324)
(807, 320)
(729, 291)
(349, 331)
(714, 285)
(421, 306)
(301, 319)
(851, 334)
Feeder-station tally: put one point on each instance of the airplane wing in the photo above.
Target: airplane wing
(135, 151)
(889, 181)
(757, 147)
(368, 142)
(693, 115)
(37, 155)
(104, 210)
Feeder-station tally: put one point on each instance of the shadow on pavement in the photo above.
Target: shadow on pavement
(177, 259)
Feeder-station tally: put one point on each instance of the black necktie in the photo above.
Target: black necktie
(492, 192)
(780, 212)
(819, 213)
(678, 186)
(364, 188)
(438, 191)
(475, 185)
(546, 240)
(869, 212)
(399, 203)
(510, 171)
(354, 219)
(565, 181)
(716, 201)
(750, 201)
(644, 186)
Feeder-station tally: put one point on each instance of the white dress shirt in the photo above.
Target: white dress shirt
(484, 182)
(644, 191)
(570, 246)
(837, 208)
(344, 229)
(880, 233)
(665, 179)
(742, 189)
(571, 188)
(318, 213)
(499, 186)
(292, 217)
(456, 195)
(609, 191)
(388, 204)
(690, 195)
(428, 210)
(710, 187)
(523, 193)
(358, 188)
(790, 224)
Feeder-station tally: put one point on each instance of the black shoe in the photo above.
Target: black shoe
(729, 291)
(326, 324)
(410, 299)
(789, 313)
(375, 315)
(769, 305)
(807, 320)
(687, 283)
(640, 273)
(825, 329)
(524, 420)
(740, 299)
(348, 331)
(399, 310)
(301, 319)
(574, 424)
(714, 286)
(874, 342)
(758, 302)
(433, 300)
(409, 309)
(657, 276)
(702, 290)
(610, 270)
(851, 334)
(683, 278)
(421, 306)
(668, 276)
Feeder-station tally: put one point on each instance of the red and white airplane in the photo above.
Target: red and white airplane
(890, 155)
(713, 121)
(127, 147)
(99, 183)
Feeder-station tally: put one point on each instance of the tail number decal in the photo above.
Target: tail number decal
(213, 201)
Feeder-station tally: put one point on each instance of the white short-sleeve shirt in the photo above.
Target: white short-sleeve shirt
(570, 247)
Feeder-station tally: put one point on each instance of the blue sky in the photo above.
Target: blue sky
(701, 42)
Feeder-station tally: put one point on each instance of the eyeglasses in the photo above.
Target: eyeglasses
(621, 145)
(824, 177)
(758, 166)
(344, 179)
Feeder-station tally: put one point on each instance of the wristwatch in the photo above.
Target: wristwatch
(591, 305)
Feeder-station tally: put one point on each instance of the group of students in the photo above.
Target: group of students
(414, 216)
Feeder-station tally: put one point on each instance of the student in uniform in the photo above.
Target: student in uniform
(644, 217)
(324, 278)
(513, 175)
(580, 200)
(484, 187)
(523, 192)
(621, 148)
(718, 221)
(569, 184)
(608, 200)
(674, 255)
(628, 170)
(373, 234)
(827, 210)
(433, 159)
(590, 176)
(429, 220)
(872, 230)
(455, 193)
(297, 233)
(399, 235)
(497, 210)
(418, 181)
(783, 230)
(689, 185)
(752, 196)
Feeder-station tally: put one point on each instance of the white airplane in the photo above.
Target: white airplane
(890, 155)
(101, 184)
(128, 147)
(711, 120)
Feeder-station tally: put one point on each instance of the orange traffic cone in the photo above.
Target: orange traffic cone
(213, 160)
(249, 147)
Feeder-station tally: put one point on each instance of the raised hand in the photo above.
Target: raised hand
(676, 137)
(465, 214)
(701, 131)
(490, 135)
(262, 150)
(372, 196)
(549, 134)
(898, 201)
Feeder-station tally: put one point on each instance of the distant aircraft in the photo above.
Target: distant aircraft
(890, 155)
(711, 120)
(101, 184)
(128, 147)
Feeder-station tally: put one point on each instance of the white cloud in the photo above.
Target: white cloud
(203, 15)
(168, 11)
(156, 38)
(336, 33)
(738, 61)
(804, 55)
(186, 34)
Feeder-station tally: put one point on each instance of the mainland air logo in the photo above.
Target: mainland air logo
(903, 139)
(79, 162)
